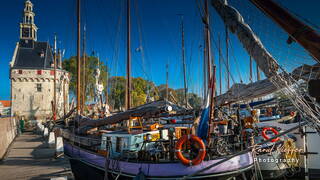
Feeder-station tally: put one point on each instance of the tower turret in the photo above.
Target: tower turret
(28, 30)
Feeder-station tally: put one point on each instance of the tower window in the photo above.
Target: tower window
(39, 87)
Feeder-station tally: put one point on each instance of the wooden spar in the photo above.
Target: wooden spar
(208, 42)
(54, 106)
(227, 58)
(128, 84)
(83, 70)
(184, 64)
(307, 37)
(250, 78)
(78, 59)
(212, 96)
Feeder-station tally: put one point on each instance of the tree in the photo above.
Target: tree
(141, 88)
(91, 64)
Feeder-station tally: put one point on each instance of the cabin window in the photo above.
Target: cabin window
(20, 71)
(39, 72)
(118, 144)
(39, 87)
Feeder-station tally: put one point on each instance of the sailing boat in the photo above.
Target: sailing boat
(147, 147)
(283, 81)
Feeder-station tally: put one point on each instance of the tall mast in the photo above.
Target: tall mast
(205, 71)
(78, 59)
(298, 31)
(220, 67)
(211, 73)
(207, 42)
(184, 64)
(106, 90)
(167, 81)
(83, 70)
(227, 58)
(54, 79)
(128, 84)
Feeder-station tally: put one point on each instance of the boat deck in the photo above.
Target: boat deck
(30, 158)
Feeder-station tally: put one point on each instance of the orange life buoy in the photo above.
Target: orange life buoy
(264, 130)
(292, 113)
(202, 150)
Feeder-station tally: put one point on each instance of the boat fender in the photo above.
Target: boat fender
(266, 137)
(202, 150)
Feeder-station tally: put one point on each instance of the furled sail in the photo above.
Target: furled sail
(235, 23)
(147, 110)
(246, 92)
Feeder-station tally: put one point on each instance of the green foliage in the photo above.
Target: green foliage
(91, 64)
(115, 88)
(140, 89)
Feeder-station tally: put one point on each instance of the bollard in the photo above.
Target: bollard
(45, 132)
(40, 127)
(59, 146)
(51, 140)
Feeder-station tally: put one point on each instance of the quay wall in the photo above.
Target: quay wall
(8, 131)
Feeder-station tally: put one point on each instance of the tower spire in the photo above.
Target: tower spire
(28, 30)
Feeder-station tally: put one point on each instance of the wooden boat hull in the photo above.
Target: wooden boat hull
(95, 163)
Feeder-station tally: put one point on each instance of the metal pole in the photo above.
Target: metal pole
(128, 86)
(305, 149)
(78, 59)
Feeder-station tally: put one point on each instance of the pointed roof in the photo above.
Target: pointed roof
(33, 55)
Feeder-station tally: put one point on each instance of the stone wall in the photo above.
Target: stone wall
(32, 93)
(8, 131)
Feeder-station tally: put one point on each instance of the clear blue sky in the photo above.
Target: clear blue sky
(161, 37)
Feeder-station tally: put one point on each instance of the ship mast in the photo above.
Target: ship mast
(54, 79)
(83, 70)
(211, 75)
(298, 31)
(128, 83)
(207, 42)
(167, 82)
(227, 58)
(78, 59)
(184, 64)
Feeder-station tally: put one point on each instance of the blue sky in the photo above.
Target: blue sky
(159, 26)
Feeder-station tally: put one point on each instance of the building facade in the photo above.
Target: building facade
(32, 74)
